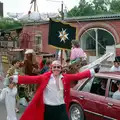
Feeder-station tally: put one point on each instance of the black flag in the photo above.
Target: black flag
(61, 34)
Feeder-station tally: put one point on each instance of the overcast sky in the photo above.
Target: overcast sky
(23, 6)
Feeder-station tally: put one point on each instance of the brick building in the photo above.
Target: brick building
(97, 34)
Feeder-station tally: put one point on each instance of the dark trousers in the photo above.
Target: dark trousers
(55, 112)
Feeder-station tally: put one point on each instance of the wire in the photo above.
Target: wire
(87, 31)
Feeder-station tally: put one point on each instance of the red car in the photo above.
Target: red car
(92, 99)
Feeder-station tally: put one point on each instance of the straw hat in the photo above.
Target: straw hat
(56, 62)
(29, 51)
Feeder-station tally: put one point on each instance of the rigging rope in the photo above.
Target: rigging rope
(86, 31)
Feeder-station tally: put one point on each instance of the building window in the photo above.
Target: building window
(102, 36)
(38, 42)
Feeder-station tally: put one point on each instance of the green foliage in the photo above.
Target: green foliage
(95, 7)
(7, 23)
(115, 6)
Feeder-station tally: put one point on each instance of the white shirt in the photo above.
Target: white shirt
(113, 69)
(116, 95)
(53, 95)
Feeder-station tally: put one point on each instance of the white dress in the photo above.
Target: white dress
(10, 102)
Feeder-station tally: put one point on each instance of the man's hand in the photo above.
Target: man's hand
(13, 78)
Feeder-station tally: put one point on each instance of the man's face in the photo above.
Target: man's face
(116, 64)
(56, 69)
(11, 85)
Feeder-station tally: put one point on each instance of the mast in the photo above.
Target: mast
(62, 17)
(35, 5)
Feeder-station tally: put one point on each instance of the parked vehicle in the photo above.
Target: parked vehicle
(91, 99)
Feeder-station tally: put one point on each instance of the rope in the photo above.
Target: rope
(87, 31)
(31, 7)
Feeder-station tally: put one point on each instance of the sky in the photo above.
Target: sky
(44, 6)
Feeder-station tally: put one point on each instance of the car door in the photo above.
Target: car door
(91, 101)
(111, 106)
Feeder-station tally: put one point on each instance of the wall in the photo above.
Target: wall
(113, 26)
(31, 31)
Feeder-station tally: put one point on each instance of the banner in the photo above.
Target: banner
(61, 34)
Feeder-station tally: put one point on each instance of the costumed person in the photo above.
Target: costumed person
(115, 67)
(9, 95)
(30, 62)
(14, 70)
(51, 100)
(77, 52)
(30, 68)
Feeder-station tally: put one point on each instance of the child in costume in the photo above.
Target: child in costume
(8, 94)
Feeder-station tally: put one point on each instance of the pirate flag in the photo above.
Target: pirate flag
(61, 34)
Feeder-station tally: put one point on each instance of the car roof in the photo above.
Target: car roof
(112, 75)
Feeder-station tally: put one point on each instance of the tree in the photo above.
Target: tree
(84, 8)
(8, 23)
(115, 6)
(95, 7)
(100, 6)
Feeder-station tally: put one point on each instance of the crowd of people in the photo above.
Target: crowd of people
(51, 95)
(52, 89)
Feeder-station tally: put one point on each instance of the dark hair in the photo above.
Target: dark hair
(68, 60)
(118, 82)
(48, 62)
(117, 58)
(75, 43)
(15, 61)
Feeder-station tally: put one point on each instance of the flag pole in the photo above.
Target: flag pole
(62, 17)
(35, 4)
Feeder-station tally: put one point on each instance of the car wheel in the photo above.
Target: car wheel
(76, 112)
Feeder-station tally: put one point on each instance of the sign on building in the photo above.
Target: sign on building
(5, 59)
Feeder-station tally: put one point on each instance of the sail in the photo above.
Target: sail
(97, 62)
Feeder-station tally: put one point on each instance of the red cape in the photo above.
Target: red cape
(35, 110)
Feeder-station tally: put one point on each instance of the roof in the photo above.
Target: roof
(113, 75)
(82, 19)
(94, 18)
